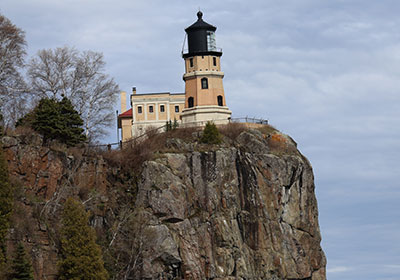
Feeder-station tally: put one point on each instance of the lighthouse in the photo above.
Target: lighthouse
(204, 90)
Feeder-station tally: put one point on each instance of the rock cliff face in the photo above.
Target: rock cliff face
(245, 209)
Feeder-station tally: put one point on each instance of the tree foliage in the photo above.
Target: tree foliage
(21, 267)
(12, 85)
(6, 206)
(211, 134)
(81, 257)
(56, 120)
(80, 77)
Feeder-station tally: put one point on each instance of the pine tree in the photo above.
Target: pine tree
(56, 120)
(211, 134)
(21, 268)
(6, 207)
(81, 257)
(72, 131)
(46, 118)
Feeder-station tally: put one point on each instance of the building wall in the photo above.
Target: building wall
(126, 128)
(203, 67)
(208, 96)
(203, 63)
(147, 119)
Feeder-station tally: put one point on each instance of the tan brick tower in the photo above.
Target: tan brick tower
(204, 90)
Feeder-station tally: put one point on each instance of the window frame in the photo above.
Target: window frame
(204, 83)
(162, 108)
(220, 100)
(139, 109)
(176, 108)
(190, 102)
(151, 109)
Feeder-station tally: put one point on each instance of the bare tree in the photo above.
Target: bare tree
(129, 240)
(12, 85)
(80, 77)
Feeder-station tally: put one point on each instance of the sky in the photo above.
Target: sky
(324, 72)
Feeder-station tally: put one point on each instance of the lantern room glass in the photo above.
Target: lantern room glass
(211, 43)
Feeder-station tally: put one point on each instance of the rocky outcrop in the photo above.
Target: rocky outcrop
(245, 209)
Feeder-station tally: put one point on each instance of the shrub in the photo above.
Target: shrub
(232, 130)
(211, 134)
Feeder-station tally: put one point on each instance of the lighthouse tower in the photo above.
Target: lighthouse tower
(204, 91)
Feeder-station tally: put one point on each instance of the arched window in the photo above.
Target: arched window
(190, 102)
(204, 83)
(220, 100)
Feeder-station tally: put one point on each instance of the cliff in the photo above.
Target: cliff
(244, 209)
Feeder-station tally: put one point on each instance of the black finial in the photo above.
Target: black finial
(199, 15)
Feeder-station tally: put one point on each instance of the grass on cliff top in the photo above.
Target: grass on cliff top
(134, 153)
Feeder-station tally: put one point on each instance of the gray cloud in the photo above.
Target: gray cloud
(325, 72)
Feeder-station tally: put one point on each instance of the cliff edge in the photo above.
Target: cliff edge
(244, 209)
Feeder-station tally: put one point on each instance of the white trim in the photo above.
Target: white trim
(157, 107)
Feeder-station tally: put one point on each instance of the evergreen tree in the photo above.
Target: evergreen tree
(175, 125)
(211, 134)
(6, 207)
(56, 120)
(21, 268)
(72, 132)
(81, 257)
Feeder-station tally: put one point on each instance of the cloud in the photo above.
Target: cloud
(325, 72)
(337, 269)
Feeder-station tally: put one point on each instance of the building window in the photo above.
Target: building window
(190, 102)
(220, 100)
(191, 62)
(204, 83)
(214, 61)
(162, 108)
(150, 109)
(176, 109)
(139, 109)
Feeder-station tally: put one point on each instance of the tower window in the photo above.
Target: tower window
(190, 102)
(204, 83)
(139, 109)
(191, 62)
(214, 61)
(220, 100)
(162, 108)
(176, 109)
(151, 109)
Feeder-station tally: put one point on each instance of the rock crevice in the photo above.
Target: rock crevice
(238, 211)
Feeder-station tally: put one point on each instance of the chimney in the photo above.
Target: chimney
(123, 101)
(134, 90)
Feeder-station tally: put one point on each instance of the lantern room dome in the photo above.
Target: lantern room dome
(201, 38)
(200, 24)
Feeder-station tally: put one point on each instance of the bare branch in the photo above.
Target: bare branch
(81, 78)
(12, 53)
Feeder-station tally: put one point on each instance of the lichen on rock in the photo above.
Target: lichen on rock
(244, 209)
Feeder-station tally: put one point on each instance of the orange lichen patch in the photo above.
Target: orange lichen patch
(277, 141)
(280, 143)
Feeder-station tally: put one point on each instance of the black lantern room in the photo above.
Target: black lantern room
(201, 38)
